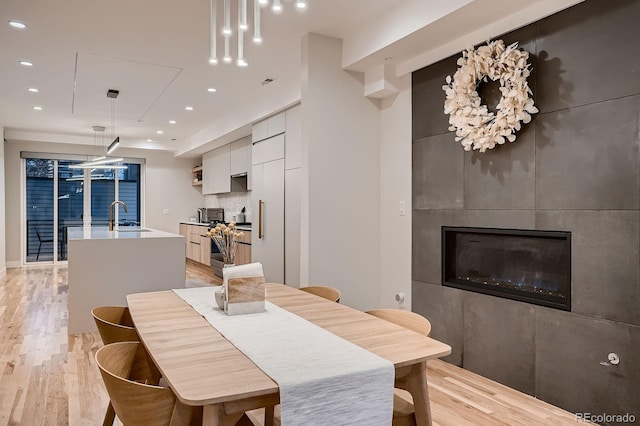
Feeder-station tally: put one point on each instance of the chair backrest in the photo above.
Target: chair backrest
(128, 374)
(114, 324)
(326, 292)
(406, 319)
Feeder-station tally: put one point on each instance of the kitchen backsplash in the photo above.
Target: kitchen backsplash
(232, 203)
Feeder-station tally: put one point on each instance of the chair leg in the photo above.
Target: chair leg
(109, 416)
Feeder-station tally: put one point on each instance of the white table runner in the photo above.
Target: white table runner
(323, 379)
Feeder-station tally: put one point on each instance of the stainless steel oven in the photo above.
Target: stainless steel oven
(215, 216)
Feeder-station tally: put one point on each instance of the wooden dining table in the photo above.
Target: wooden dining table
(204, 369)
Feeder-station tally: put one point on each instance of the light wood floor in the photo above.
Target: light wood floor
(48, 378)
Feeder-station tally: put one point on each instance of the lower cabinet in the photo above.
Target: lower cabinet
(198, 246)
(243, 249)
(205, 247)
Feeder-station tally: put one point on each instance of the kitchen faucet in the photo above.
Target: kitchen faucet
(111, 212)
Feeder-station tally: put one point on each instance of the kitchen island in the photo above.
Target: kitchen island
(105, 266)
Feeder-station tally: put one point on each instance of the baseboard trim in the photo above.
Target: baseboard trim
(3, 272)
(14, 264)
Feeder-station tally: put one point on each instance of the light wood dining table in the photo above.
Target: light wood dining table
(204, 369)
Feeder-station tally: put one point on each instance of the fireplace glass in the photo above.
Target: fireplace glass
(526, 265)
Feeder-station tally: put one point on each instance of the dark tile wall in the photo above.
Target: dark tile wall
(575, 167)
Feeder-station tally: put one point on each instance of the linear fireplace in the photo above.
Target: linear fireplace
(525, 265)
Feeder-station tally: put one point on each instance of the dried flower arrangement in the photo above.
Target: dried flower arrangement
(226, 238)
(475, 126)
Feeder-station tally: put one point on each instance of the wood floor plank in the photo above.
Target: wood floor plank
(49, 378)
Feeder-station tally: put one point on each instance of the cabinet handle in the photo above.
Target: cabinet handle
(260, 219)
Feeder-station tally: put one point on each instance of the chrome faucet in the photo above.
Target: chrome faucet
(111, 212)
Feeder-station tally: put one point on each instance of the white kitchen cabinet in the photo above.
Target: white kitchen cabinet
(276, 124)
(240, 157)
(272, 126)
(259, 131)
(267, 205)
(216, 171)
(268, 150)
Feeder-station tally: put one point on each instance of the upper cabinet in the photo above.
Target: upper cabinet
(241, 160)
(228, 168)
(268, 150)
(272, 126)
(216, 171)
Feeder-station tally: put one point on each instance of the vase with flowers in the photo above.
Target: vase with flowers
(225, 238)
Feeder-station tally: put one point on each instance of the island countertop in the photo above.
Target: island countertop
(128, 232)
(105, 266)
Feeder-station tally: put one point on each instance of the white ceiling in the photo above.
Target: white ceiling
(156, 53)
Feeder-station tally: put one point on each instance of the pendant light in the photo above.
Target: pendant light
(105, 162)
(213, 42)
(242, 26)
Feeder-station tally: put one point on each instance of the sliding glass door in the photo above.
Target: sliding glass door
(39, 210)
(59, 197)
(70, 196)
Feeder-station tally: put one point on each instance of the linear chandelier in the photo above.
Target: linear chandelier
(104, 162)
(242, 27)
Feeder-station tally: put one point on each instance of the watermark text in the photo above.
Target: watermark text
(605, 418)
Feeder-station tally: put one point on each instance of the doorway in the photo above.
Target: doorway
(59, 197)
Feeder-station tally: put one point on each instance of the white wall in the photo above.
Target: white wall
(341, 187)
(167, 187)
(2, 207)
(395, 186)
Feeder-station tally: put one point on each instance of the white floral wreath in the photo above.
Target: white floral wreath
(475, 126)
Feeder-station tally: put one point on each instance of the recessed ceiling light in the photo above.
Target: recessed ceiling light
(26, 63)
(37, 108)
(149, 140)
(159, 132)
(242, 63)
(211, 89)
(189, 108)
(301, 4)
(33, 90)
(172, 121)
(17, 24)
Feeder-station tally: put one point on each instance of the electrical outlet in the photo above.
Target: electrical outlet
(402, 208)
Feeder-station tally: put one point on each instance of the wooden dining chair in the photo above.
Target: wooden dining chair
(406, 319)
(132, 379)
(403, 409)
(325, 292)
(114, 325)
